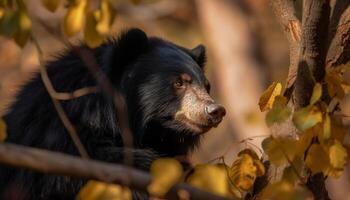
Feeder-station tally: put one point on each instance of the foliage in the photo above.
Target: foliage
(80, 16)
(320, 143)
(166, 172)
(95, 190)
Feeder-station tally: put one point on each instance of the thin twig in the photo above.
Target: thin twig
(60, 111)
(86, 55)
(64, 96)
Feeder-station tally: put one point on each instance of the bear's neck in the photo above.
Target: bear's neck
(167, 142)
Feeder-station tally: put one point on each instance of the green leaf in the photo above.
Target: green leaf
(279, 112)
(307, 117)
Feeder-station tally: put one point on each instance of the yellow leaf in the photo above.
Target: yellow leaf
(346, 87)
(286, 191)
(295, 170)
(333, 172)
(337, 128)
(95, 190)
(337, 155)
(279, 112)
(24, 27)
(51, 5)
(243, 172)
(316, 94)
(3, 132)
(74, 18)
(325, 133)
(91, 36)
(305, 138)
(317, 159)
(280, 150)
(334, 81)
(166, 172)
(290, 175)
(250, 152)
(307, 117)
(260, 168)
(2, 12)
(268, 97)
(106, 18)
(210, 178)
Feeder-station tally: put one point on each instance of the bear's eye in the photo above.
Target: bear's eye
(179, 84)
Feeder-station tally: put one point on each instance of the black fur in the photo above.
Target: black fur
(142, 68)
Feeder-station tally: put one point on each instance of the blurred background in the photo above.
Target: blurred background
(246, 48)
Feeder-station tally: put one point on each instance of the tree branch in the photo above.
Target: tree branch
(339, 35)
(286, 14)
(59, 108)
(57, 163)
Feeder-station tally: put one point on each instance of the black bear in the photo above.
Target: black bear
(167, 99)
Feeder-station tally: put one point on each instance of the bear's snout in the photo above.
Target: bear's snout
(215, 113)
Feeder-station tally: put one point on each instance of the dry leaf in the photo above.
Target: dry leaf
(286, 191)
(280, 150)
(316, 93)
(325, 133)
(210, 178)
(166, 172)
(74, 18)
(92, 37)
(95, 190)
(105, 19)
(268, 97)
(317, 159)
(337, 155)
(243, 172)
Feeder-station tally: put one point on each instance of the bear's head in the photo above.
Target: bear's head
(166, 90)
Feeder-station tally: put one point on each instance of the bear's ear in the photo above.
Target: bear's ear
(126, 49)
(199, 55)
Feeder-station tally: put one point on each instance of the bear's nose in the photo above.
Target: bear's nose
(216, 112)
